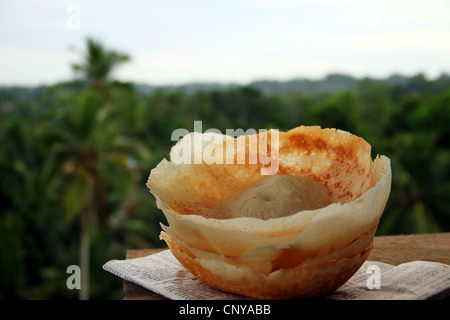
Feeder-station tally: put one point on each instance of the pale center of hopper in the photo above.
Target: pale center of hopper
(273, 197)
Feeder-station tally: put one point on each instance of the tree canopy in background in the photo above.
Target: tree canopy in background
(75, 157)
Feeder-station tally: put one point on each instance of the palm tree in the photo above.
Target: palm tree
(90, 147)
(97, 64)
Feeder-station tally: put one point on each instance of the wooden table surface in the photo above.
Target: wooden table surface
(390, 249)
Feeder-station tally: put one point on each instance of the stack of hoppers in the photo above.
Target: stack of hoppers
(301, 232)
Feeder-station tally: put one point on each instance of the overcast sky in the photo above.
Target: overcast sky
(179, 41)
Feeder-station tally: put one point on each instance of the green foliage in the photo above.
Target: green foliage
(75, 157)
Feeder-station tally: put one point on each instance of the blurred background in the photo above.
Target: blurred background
(90, 92)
